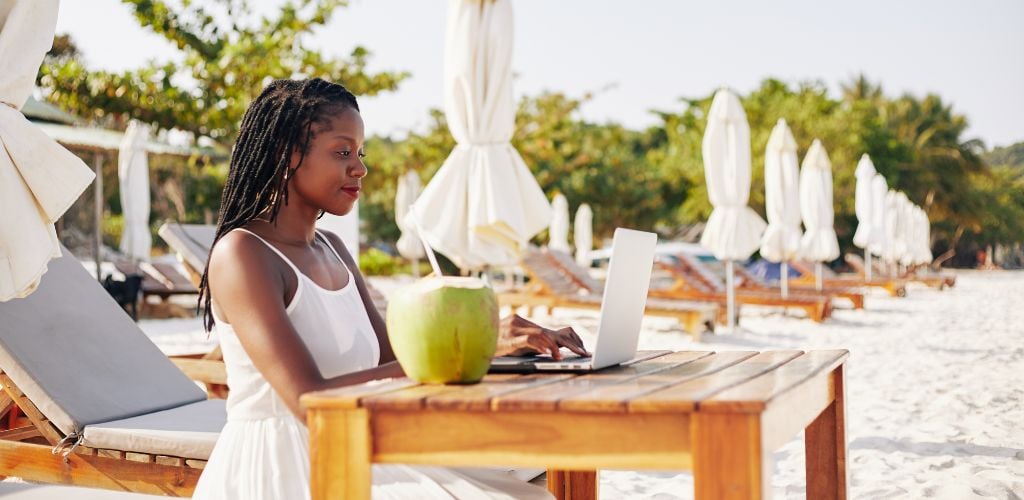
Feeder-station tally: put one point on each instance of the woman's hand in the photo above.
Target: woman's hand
(518, 336)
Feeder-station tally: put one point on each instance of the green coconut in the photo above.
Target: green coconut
(444, 329)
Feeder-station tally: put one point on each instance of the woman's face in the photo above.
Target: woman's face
(330, 176)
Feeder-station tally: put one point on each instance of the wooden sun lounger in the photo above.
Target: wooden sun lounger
(554, 285)
(89, 400)
(158, 279)
(693, 282)
(895, 286)
(751, 282)
(930, 279)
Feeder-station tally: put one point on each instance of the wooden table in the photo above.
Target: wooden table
(718, 414)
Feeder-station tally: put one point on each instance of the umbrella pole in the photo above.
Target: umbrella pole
(867, 264)
(731, 295)
(98, 214)
(416, 268)
(817, 276)
(785, 279)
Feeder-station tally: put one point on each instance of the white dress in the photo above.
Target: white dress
(263, 451)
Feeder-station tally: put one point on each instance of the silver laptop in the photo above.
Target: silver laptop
(622, 311)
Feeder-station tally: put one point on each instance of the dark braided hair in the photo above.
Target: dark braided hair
(278, 123)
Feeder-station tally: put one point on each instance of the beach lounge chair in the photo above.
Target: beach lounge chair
(749, 281)
(695, 281)
(158, 279)
(895, 286)
(557, 281)
(920, 274)
(102, 406)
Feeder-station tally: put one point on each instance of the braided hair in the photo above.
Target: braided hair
(278, 123)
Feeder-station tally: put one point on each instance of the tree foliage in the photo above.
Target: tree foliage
(226, 57)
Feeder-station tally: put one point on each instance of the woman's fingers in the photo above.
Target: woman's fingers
(568, 338)
(544, 343)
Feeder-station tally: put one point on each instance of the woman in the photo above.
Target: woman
(292, 311)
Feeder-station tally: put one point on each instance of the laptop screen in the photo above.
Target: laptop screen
(625, 296)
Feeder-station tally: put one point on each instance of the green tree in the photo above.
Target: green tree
(226, 57)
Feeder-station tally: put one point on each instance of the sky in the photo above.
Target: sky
(639, 56)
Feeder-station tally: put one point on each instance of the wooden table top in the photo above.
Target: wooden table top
(672, 382)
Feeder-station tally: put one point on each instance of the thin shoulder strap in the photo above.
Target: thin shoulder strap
(272, 247)
(331, 246)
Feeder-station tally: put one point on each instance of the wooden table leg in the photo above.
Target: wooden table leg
(339, 444)
(825, 447)
(574, 485)
(729, 459)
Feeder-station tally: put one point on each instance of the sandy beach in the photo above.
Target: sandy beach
(935, 391)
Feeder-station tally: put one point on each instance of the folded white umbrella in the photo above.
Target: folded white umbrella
(863, 204)
(583, 234)
(133, 177)
(908, 231)
(924, 256)
(408, 189)
(734, 230)
(39, 179)
(894, 240)
(879, 244)
(483, 205)
(819, 243)
(781, 239)
(558, 232)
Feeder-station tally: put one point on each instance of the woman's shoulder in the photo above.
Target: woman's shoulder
(241, 253)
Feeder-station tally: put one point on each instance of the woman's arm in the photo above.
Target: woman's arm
(249, 291)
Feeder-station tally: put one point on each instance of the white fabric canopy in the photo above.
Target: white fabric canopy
(583, 234)
(734, 230)
(558, 232)
(408, 245)
(924, 238)
(879, 244)
(863, 202)
(781, 239)
(819, 243)
(894, 241)
(39, 179)
(133, 176)
(483, 205)
(908, 231)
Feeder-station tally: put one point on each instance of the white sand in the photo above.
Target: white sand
(935, 389)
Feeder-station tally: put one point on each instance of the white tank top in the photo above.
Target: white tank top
(332, 323)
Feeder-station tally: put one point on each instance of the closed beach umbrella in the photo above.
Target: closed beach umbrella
(133, 177)
(819, 243)
(879, 218)
(483, 205)
(558, 232)
(924, 236)
(863, 204)
(583, 234)
(408, 189)
(733, 231)
(39, 179)
(781, 239)
(909, 231)
(894, 241)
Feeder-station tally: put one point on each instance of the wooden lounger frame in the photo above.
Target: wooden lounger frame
(689, 284)
(32, 451)
(539, 294)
